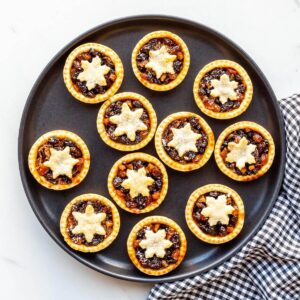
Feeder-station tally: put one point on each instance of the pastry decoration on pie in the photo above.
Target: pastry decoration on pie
(90, 223)
(127, 122)
(160, 60)
(184, 141)
(215, 213)
(59, 160)
(93, 73)
(156, 245)
(138, 182)
(223, 89)
(244, 151)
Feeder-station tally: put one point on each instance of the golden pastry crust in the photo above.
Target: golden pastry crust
(164, 155)
(247, 81)
(128, 158)
(181, 75)
(194, 227)
(107, 241)
(123, 97)
(118, 70)
(132, 238)
(60, 134)
(240, 125)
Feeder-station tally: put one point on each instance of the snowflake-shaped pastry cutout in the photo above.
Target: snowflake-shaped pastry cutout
(224, 88)
(128, 122)
(137, 182)
(241, 153)
(61, 162)
(184, 139)
(93, 73)
(89, 223)
(160, 61)
(217, 210)
(155, 243)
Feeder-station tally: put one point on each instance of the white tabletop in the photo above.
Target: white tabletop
(32, 265)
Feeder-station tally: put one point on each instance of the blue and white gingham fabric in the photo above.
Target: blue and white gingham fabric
(268, 267)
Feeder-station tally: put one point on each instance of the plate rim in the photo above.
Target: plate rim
(103, 26)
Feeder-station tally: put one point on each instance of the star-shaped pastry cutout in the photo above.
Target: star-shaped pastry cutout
(184, 139)
(137, 182)
(93, 72)
(89, 223)
(128, 122)
(61, 162)
(217, 210)
(155, 243)
(160, 61)
(241, 153)
(224, 88)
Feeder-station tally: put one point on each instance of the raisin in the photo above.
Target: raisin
(141, 234)
(189, 156)
(155, 263)
(75, 152)
(53, 140)
(141, 56)
(177, 65)
(117, 182)
(140, 201)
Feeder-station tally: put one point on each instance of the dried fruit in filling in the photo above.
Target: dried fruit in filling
(216, 213)
(222, 89)
(127, 121)
(160, 60)
(92, 73)
(157, 246)
(59, 160)
(184, 140)
(89, 223)
(138, 182)
(245, 151)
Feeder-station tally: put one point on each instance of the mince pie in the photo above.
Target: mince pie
(215, 213)
(59, 160)
(90, 223)
(93, 73)
(127, 122)
(156, 245)
(223, 89)
(138, 182)
(184, 141)
(244, 151)
(160, 60)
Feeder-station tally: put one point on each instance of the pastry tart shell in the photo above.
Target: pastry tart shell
(194, 227)
(123, 97)
(164, 155)
(132, 237)
(130, 157)
(60, 134)
(119, 70)
(186, 61)
(107, 241)
(252, 126)
(247, 81)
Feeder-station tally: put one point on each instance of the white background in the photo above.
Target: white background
(32, 266)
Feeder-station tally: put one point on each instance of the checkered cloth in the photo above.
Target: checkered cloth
(268, 267)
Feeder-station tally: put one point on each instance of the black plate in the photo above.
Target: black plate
(50, 106)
